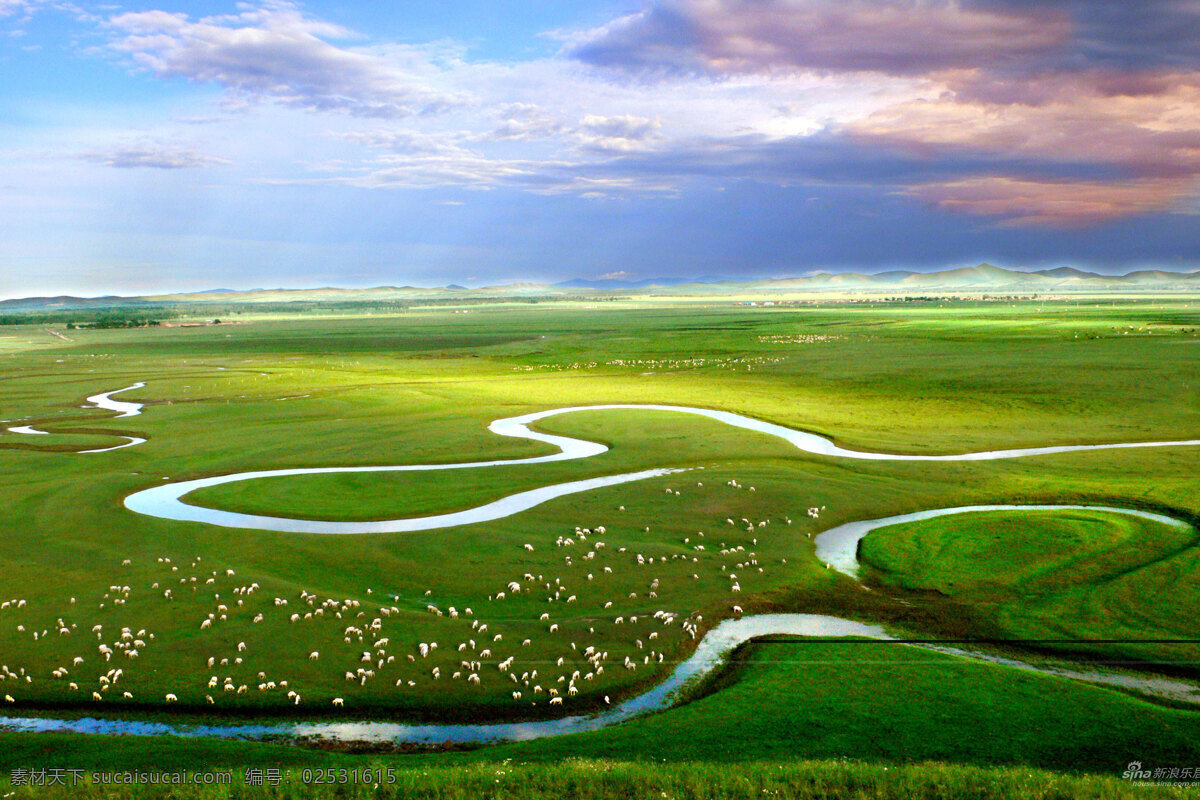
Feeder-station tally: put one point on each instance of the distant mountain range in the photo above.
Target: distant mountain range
(612, 283)
(984, 277)
(981, 278)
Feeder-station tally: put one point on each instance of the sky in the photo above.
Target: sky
(169, 146)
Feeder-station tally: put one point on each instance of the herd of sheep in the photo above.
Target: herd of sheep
(224, 638)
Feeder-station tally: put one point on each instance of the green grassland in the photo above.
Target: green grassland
(1076, 575)
(422, 386)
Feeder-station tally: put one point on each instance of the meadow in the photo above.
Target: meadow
(227, 621)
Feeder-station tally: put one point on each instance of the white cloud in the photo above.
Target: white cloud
(279, 54)
(467, 169)
(525, 122)
(10, 8)
(409, 142)
(152, 157)
(619, 133)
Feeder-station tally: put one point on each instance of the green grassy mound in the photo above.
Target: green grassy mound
(1084, 575)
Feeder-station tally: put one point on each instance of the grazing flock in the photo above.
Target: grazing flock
(733, 363)
(581, 617)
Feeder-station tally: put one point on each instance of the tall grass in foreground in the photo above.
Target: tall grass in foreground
(598, 780)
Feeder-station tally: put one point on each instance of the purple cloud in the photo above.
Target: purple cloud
(895, 37)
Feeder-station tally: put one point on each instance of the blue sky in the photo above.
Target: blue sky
(168, 146)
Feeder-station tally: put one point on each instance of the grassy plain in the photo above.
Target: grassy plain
(421, 387)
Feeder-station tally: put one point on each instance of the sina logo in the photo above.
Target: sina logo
(1135, 772)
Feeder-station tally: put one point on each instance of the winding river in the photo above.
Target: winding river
(104, 401)
(123, 408)
(166, 501)
(712, 650)
(715, 645)
(837, 547)
(28, 430)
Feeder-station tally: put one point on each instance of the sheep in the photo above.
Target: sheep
(314, 655)
(339, 702)
(171, 698)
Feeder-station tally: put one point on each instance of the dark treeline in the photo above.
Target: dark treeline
(116, 320)
(382, 306)
(90, 318)
(137, 315)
